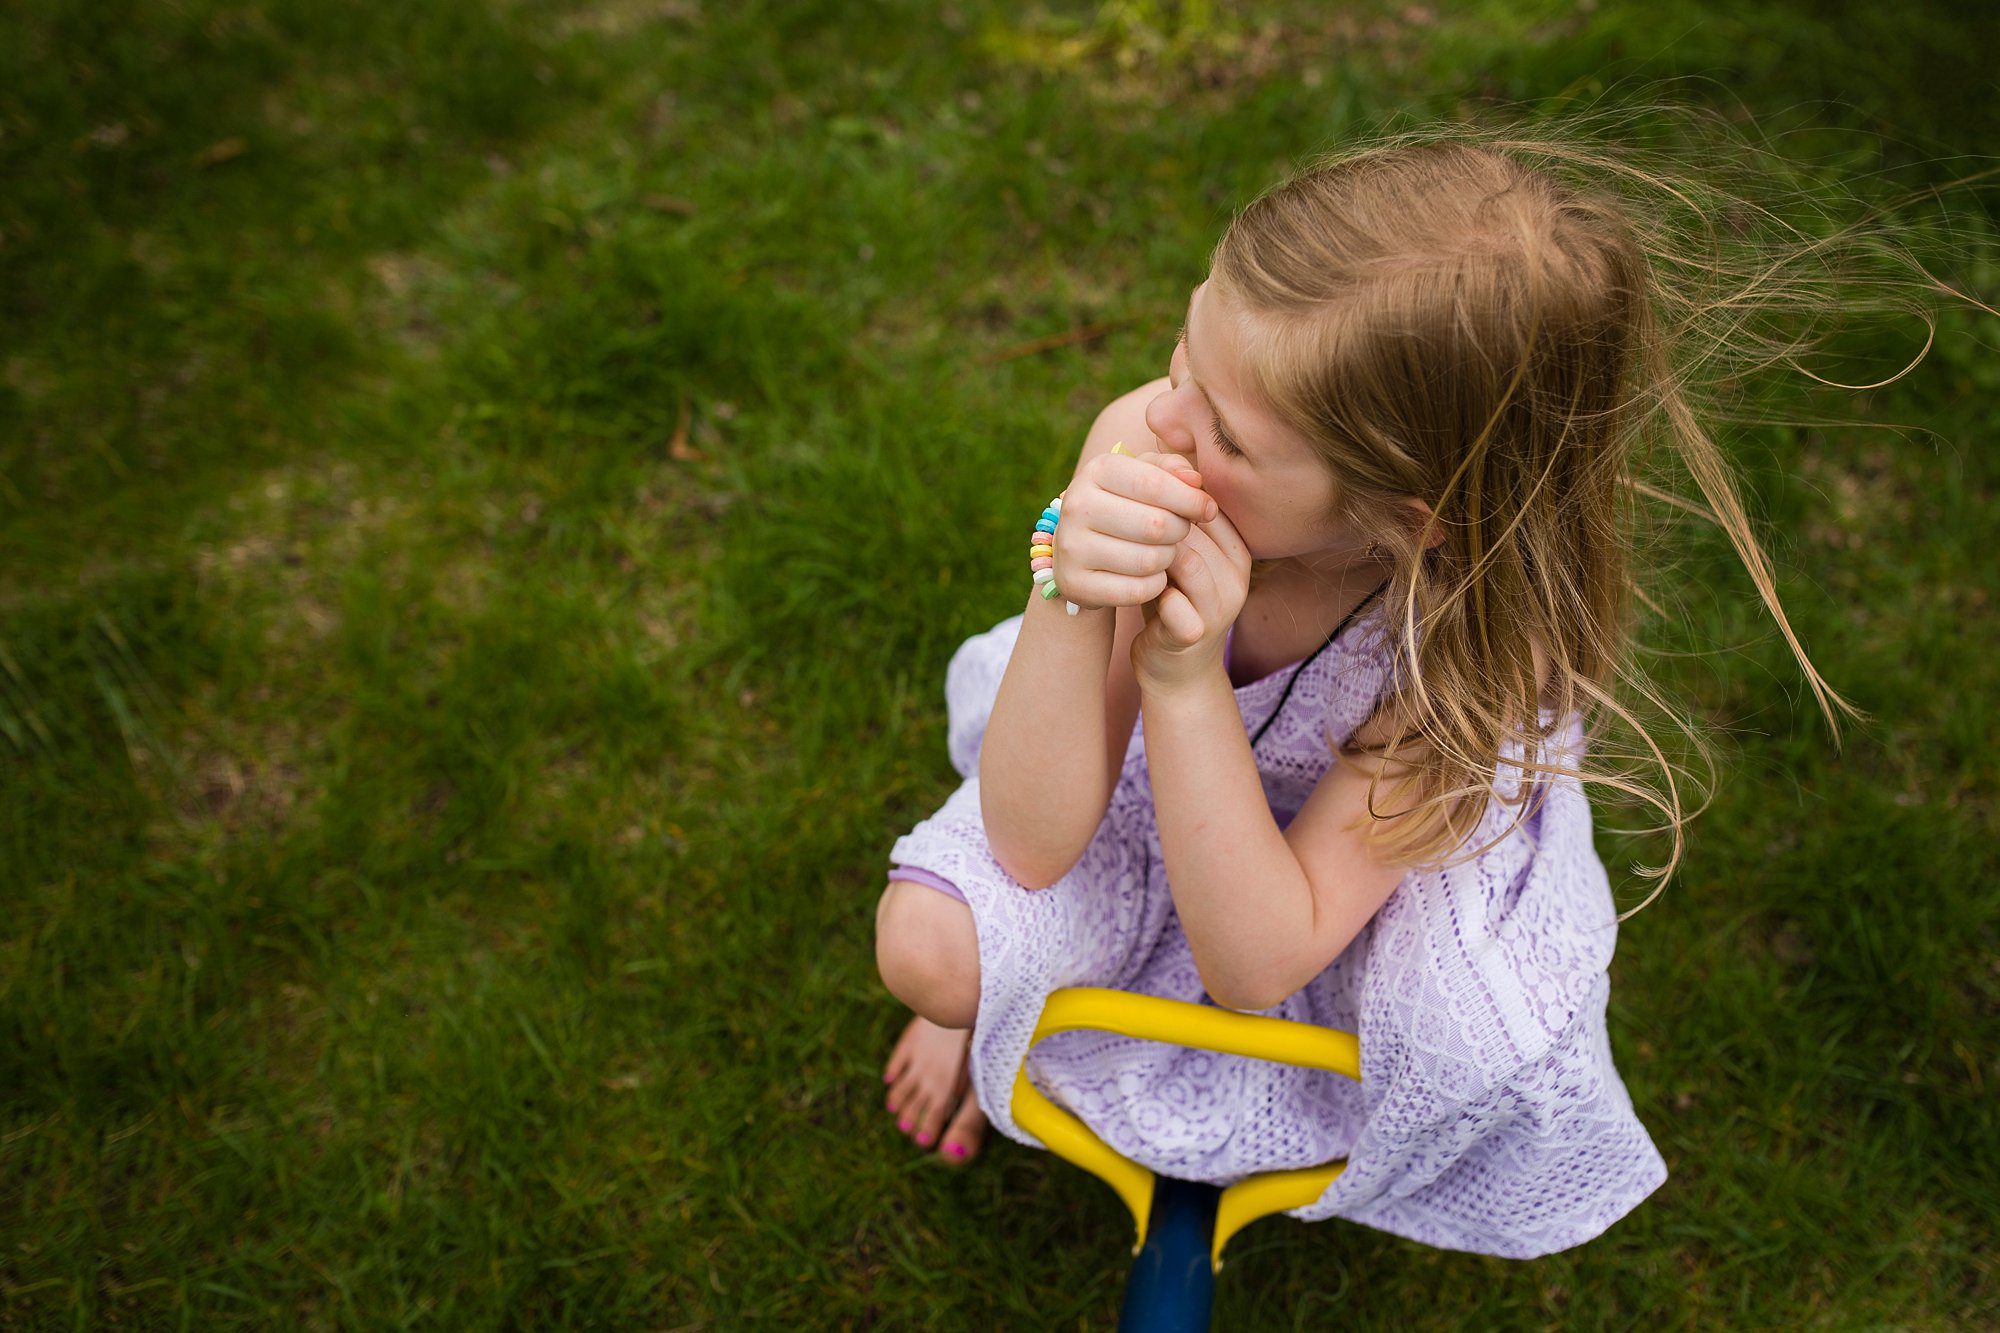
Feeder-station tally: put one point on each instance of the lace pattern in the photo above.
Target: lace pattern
(1489, 1116)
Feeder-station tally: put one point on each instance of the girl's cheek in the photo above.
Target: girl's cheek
(1219, 484)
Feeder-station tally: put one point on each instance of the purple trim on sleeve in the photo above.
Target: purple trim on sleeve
(925, 877)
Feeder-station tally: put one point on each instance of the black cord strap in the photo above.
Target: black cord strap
(1309, 661)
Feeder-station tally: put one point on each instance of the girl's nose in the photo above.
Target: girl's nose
(1159, 420)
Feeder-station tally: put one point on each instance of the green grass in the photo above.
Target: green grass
(443, 824)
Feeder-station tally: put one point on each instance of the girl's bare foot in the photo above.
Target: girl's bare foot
(929, 1084)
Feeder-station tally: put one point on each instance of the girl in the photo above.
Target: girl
(1357, 589)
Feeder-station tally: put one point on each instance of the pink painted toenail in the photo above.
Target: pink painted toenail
(924, 1139)
(955, 1149)
(888, 1078)
(903, 1123)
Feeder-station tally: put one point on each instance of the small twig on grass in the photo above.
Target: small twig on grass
(1085, 334)
(678, 447)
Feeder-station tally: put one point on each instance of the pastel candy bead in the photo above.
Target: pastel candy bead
(1041, 552)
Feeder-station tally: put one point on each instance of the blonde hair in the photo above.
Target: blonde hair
(1506, 325)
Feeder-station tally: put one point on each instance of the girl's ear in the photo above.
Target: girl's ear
(1419, 513)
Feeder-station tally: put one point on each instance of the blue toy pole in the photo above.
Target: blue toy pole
(1182, 1225)
(1171, 1288)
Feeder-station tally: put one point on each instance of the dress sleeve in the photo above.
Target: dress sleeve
(971, 683)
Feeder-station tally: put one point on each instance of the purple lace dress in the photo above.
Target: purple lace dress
(1489, 1116)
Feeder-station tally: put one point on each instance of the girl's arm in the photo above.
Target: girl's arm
(1241, 895)
(1063, 718)
(1044, 779)
(1265, 911)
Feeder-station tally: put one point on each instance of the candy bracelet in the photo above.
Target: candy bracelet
(1041, 545)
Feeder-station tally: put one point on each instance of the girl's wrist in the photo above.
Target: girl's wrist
(1196, 685)
(1055, 607)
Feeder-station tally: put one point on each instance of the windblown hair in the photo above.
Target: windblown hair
(1506, 326)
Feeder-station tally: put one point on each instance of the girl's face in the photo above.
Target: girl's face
(1270, 483)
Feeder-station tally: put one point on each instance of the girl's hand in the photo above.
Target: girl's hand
(1208, 581)
(1122, 519)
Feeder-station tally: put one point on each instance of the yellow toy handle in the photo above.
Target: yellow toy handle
(1153, 1018)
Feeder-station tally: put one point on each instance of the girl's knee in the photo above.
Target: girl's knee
(928, 952)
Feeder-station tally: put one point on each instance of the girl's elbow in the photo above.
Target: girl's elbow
(1030, 877)
(1248, 999)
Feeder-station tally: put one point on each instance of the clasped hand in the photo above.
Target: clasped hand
(1138, 530)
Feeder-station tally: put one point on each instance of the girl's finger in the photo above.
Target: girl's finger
(1183, 468)
(1115, 515)
(1190, 572)
(1091, 550)
(1169, 460)
(1183, 585)
(1156, 481)
(1228, 542)
(1183, 622)
(1187, 474)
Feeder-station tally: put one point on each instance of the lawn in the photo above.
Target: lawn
(487, 496)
